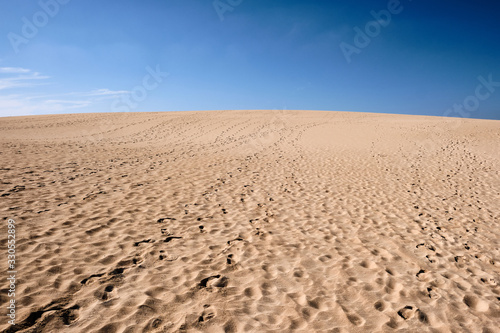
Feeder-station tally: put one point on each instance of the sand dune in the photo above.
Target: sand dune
(252, 221)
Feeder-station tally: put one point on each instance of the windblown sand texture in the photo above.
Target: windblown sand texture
(252, 221)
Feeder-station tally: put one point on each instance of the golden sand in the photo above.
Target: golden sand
(252, 221)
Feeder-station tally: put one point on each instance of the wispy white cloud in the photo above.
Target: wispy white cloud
(22, 79)
(69, 104)
(107, 92)
(104, 93)
(19, 103)
(16, 70)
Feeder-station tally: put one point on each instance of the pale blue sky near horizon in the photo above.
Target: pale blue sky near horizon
(406, 57)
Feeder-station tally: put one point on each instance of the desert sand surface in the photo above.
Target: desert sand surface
(252, 221)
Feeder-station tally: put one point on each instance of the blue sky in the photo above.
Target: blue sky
(428, 58)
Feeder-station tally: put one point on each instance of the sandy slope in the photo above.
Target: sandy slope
(252, 221)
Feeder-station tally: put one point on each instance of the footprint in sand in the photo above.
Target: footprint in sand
(407, 312)
(209, 312)
(380, 305)
(144, 241)
(168, 239)
(214, 281)
(84, 281)
(475, 303)
(165, 219)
